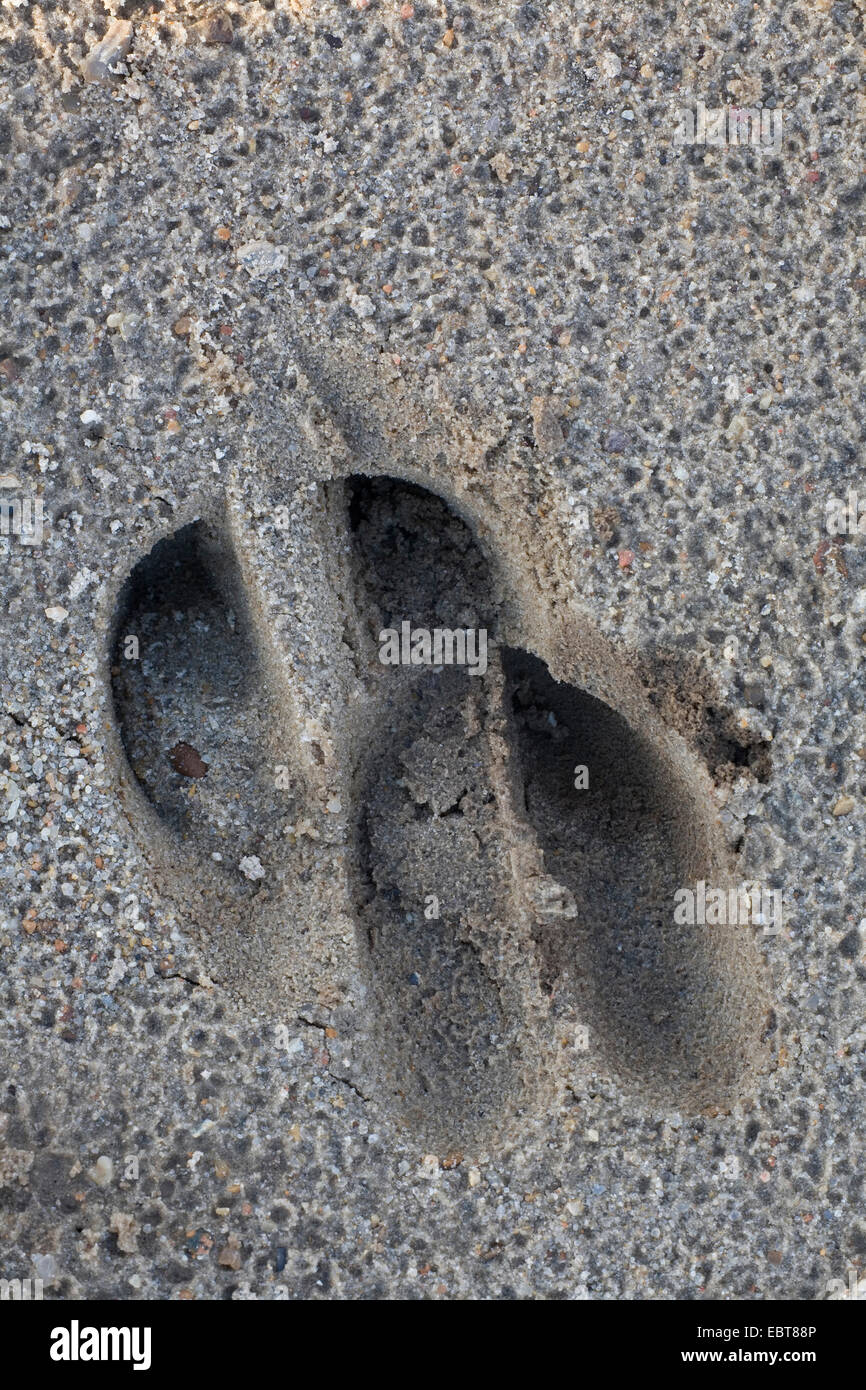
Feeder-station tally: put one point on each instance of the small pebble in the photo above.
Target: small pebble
(97, 66)
(102, 1171)
(187, 761)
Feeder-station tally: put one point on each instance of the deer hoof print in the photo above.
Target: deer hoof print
(398, 787)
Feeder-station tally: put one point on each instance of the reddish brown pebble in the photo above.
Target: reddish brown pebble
(9, 369)
(626, 558)
(230, 1256)
(187, 760)
(818, 559)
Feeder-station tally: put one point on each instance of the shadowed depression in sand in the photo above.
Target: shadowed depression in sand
(512, 927)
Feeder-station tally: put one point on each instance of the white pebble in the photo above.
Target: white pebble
(102, 1171)
(261, 258)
